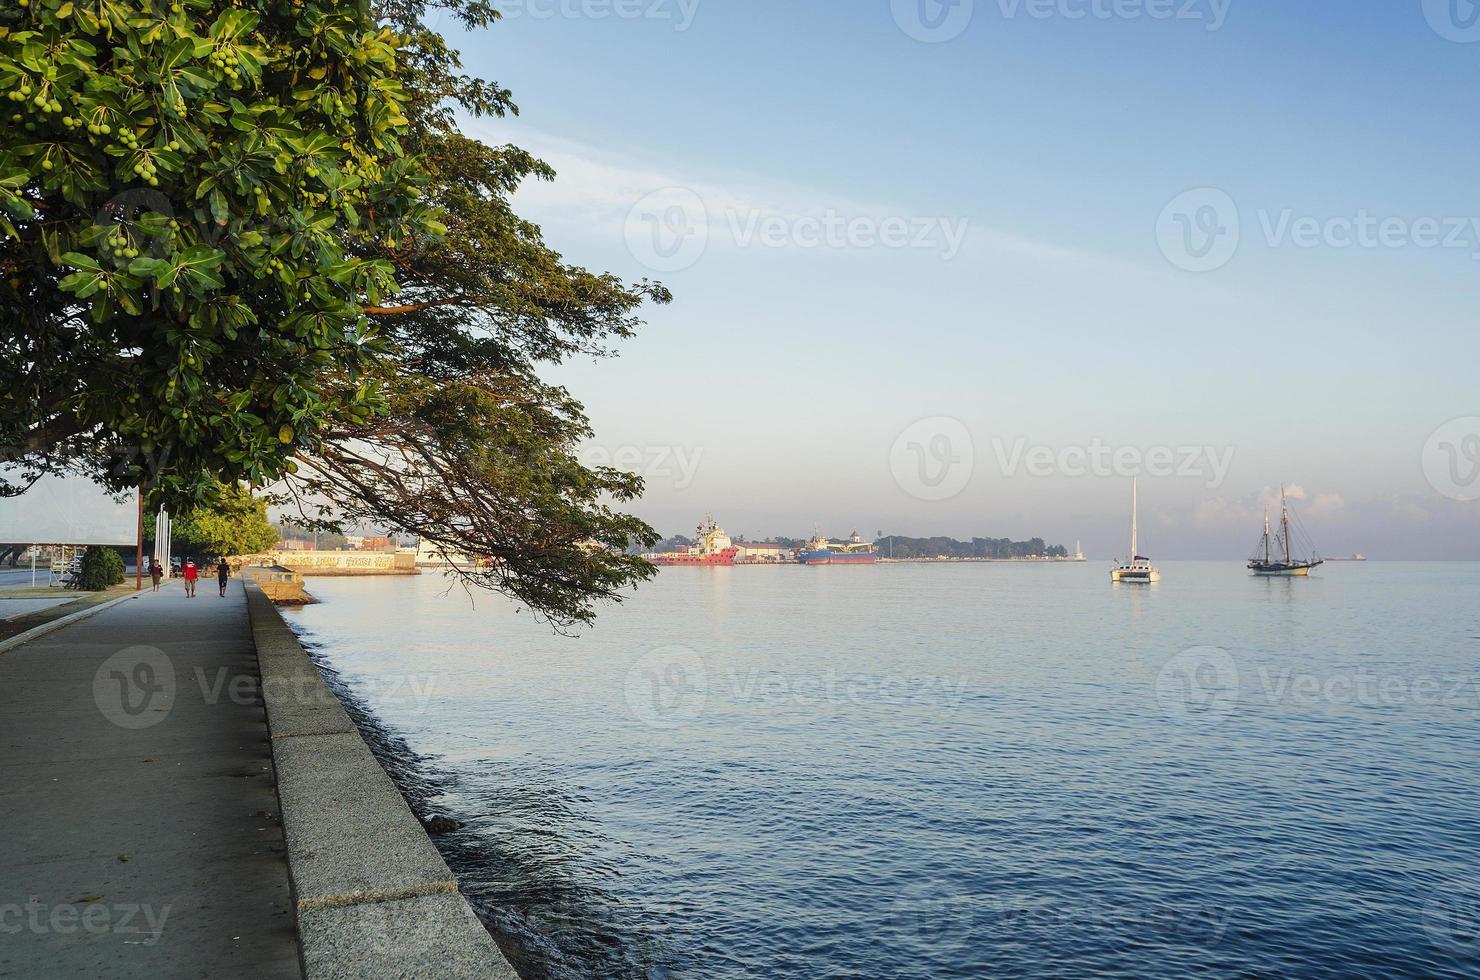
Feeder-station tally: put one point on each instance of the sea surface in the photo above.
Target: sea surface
(962, 770)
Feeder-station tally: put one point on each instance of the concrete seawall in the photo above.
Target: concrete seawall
(373, 897)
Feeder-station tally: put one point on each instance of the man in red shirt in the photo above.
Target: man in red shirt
(190, 574)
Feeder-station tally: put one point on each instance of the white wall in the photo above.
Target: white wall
(67, 511)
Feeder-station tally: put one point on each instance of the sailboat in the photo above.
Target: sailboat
(1272, 556)
(1139, 568)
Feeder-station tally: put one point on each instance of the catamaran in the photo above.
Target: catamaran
(1139, 568)
(1272, 556)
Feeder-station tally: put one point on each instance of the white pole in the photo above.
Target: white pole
(162, 542)
(33, 566)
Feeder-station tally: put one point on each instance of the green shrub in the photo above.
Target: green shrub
(101, 567)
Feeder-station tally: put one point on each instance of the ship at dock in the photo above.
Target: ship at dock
(712, 547)
(854, 551)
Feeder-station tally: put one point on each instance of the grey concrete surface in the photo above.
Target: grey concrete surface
(422, 938)
(13, 608)
(374, 898)
(141, 828)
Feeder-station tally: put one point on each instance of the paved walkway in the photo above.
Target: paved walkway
(139, 831)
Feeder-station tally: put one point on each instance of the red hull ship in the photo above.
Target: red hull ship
(713, 548)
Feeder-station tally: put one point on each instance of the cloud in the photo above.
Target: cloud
(1327, 504)
(1248, 510)
(597, 189)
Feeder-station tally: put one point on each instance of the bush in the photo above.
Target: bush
(101, 567)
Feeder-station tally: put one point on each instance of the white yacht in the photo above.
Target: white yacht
(1139, 567)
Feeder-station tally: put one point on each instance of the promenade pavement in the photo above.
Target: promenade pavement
(139, 826)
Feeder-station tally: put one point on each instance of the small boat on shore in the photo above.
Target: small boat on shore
(1274, 553)
(1139, 568)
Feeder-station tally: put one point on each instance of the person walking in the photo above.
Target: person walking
(190, 573)
(156, 572)
(223, 572)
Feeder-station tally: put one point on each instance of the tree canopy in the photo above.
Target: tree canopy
(183, 188)
(246, 241)
(235, 523)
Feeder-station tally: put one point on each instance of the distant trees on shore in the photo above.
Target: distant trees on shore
(898, 546)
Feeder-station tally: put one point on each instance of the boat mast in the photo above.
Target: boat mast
(1266, 534)
(1133, 519)
(1285, 524)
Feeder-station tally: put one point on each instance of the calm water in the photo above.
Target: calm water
(942, 771)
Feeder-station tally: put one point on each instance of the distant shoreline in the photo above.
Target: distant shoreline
(1044, 559)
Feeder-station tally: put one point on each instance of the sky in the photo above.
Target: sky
(965, 269)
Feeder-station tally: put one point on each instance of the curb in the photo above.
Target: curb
(20, 639)
(372, 896)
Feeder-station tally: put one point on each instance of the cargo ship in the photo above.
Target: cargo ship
(854, 551)
(713, 548)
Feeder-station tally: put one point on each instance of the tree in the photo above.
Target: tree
(101, 568)
(378, 349)
(235, 523)
(474, 453)
(182, 189)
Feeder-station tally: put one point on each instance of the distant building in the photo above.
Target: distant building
(354, 541)
(431, 554)
(759, 551)
(372, 542)
(294, 544)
